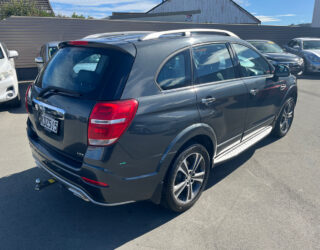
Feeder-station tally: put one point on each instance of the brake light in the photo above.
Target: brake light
(27, 97)
(78, 43)
(97, 183)
(109, 120)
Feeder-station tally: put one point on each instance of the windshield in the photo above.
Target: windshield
(86, 71)
(267, 47)
(311, 44)
(52, 51)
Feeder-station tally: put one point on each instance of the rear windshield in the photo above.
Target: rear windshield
(92, 72)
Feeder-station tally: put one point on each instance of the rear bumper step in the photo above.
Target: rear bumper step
(76, 190)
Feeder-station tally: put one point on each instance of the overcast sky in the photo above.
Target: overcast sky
(275, 12)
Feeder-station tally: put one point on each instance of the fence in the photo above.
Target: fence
(28, 34)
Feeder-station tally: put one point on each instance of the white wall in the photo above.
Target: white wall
(212, 11)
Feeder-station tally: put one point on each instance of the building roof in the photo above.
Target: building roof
(237, 5)
(41, 4)
(126, 15)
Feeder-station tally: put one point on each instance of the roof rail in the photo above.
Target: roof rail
(186, 32)
(122, 33)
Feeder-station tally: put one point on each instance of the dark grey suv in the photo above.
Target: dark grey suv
(145, 116)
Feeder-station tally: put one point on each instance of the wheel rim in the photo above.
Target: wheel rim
(189, 178)
(287, 117)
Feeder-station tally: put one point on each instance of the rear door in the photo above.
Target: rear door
(67, 90)
(221, 96)
(265, 92)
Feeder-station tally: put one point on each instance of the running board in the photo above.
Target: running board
(247, 142)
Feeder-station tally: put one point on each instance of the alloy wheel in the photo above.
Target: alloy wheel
(189, 178)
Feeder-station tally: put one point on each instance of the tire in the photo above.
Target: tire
(186, 180)
(16, 102)
(285, 119)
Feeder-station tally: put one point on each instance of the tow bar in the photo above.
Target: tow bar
(41, 185)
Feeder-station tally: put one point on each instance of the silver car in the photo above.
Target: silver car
(46, 52)
(309, 50)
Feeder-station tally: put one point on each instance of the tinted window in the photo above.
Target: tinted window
(251, 63)
(212, 63)
(87, 71)
(176, 72)
(52, 51)
(1, 54)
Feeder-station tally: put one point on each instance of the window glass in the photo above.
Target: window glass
(176, 72)
(251, 63)
(88, 71)
(293, 43)
(212, 63)
(52, 51)
(1, 54)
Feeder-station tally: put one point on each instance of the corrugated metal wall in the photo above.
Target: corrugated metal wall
(212, 11)
(27, 34)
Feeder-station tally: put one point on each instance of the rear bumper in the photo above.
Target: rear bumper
(120, 190)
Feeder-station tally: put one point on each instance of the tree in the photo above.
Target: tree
(75, 15)
(22, 8)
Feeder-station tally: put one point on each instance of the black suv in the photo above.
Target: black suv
(125, 117)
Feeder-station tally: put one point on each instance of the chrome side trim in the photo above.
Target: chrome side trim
(246, 143)
(77, 191)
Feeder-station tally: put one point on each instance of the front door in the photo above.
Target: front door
(265, 93)
(221, 97)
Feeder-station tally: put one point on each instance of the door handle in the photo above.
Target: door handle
(208, 100)
(283, 87)
(254, 92)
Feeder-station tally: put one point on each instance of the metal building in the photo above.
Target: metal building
(211, 11)
(316, 14)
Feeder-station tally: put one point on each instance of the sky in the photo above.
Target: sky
(270, 12)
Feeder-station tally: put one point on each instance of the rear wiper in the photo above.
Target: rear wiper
(56, 90)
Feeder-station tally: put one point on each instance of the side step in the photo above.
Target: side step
(247, 142)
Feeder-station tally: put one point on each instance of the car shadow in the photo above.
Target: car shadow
(6, 107)
(54, 219)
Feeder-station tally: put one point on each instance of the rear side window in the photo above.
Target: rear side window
(91, 72)
(176, 72)
(212, 63)
(251, 63)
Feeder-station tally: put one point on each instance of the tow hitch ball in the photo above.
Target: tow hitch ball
(41, 185)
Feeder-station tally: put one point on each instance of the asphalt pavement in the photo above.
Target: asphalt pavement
(266, 198)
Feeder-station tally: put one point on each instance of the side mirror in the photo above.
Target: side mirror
(13, 53)
(297, 47)
(281, 71)
(39, 60)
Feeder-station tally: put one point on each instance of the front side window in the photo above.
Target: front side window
(176, 72)
(52, 51)
(212, 63)
(1, 54)
(312, 45)
(251, 63)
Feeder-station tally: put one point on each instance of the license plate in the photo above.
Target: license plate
(49, 123)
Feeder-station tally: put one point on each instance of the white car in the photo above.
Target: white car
(9, 89)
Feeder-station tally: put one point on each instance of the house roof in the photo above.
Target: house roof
(41, 4)
(237, 5)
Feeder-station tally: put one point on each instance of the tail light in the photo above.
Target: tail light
(109, 120)
(28, 97)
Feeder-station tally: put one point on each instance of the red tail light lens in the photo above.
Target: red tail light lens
(108, 121)
(78, 43)
(97, 183)
(27, 97)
